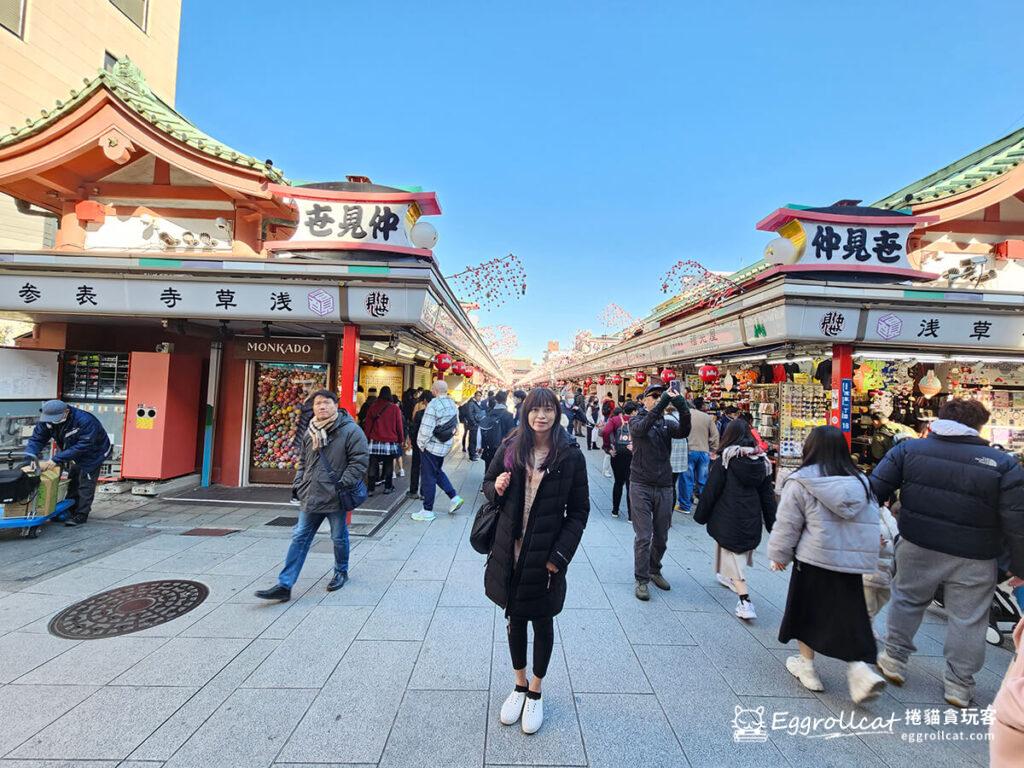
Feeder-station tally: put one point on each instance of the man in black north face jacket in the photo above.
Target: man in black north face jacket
(962, 508)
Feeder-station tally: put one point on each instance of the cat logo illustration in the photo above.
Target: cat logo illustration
(748, 725)
(145, 416)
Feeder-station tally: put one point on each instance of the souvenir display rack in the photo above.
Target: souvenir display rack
(764, 407)
(801, 408)
(94, 376)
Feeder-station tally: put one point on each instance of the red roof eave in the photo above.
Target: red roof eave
(427, 201)
(782, 216)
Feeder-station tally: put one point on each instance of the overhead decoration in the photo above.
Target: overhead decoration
(667, 374)
(616, 379)
(443, 361)
(708, 373)
(492, 283)
(458, 368)
(468, 371)
(500, 339)
(640, 377)
(929, 385)
(694, 282)
(601, 381)
(615, 318)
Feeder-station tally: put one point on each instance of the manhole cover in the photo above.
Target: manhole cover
(128, 609)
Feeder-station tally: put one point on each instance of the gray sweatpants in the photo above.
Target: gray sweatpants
(968, 596)
(652, 515)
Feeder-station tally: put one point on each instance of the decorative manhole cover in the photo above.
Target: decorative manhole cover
(128, 609)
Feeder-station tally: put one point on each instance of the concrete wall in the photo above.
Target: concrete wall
(64, 42)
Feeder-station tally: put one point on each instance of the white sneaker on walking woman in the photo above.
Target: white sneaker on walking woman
(512, 709)
(745, 610)
(533, 715)
(864, 684)
(803, 670)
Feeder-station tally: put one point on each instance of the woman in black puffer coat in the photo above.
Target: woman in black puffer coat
(736, 499)
(539, 476)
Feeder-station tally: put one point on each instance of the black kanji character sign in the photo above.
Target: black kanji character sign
(317, 222)
(826, 242)
(170, 297)
(352, 222)
(281, 301)
(383, 223)
(856, 244)
(378, 303)
(225, 298)
(981, 329)
(85, 295)
(832, 322)
(29, 293)
(886, 247)
(929, 328)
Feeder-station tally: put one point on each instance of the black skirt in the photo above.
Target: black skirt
(826, 611)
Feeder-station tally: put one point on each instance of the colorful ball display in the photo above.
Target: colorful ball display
(280, 392)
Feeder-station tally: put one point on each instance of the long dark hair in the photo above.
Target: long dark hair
(520, 441)
(737, 433)
(826, 448)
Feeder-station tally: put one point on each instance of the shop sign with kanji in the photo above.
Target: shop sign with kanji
(228, 299)
(966, 330)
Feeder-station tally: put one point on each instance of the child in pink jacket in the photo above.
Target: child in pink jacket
(1006, 749)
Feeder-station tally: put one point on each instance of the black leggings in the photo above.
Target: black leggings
(543, 643)
(621, 462)
(381, 468)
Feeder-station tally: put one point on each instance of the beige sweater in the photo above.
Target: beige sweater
(703, 432)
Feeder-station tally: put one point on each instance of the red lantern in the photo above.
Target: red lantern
(708, 373)
(443, 361)
(468, 371)
(600, 381)
(667, 374)
(458, 368)
(616, 379)
(587, 382)
(640, 377)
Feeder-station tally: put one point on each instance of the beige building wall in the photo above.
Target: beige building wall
(64, 41)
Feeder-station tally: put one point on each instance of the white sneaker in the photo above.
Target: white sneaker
(803, 670)
(608, 473)
(727, 583)
(893, 671)
(423, 516)
(457, 503)
(864, 684)
(513, 707)
(401, 472)
(533, 715)
(745, 610)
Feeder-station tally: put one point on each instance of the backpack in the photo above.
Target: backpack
(623, 440)
(606, 409)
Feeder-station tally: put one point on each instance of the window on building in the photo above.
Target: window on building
(12, 16)
(133, 9)
(109, 60)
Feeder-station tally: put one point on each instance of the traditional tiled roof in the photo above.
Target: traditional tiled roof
(126, 82)
(965, 174)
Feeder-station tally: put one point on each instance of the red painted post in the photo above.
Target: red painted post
(842, 370)
(349, 379)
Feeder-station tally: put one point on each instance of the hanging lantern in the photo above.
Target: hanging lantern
(458, 368)
(468, 371)
(616, 379)
(929, 385)
(667, 374)
(443, 361)
(640, 377)
(587, 382)
(601, 380)
(708, 373)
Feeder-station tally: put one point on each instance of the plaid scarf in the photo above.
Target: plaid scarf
(318, 431)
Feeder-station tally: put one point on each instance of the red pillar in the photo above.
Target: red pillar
(349, 369)
(842, 389)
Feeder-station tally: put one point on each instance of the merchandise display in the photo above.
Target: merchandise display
(95, 376)
(764, 407)
(280, 390)
(802, 407)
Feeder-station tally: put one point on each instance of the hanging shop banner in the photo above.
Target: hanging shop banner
(358, 223)
(829, 324)
(980, 330)
(278, 349)
(706, 340)
(381, 305)
(226, 300)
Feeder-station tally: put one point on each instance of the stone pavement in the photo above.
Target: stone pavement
(407, 665)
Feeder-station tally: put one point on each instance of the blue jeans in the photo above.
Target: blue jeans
(302, 540)
(432, 476)
(696, 476)
(681, 487)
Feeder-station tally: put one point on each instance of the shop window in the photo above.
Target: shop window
(134, 10)
(12, 16)
(109, 60)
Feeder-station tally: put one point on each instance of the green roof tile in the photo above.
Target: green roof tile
(127, 83)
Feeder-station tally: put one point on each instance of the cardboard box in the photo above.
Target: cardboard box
(19, 509)
(49, 487)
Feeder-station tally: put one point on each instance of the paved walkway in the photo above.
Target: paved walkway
(407, 665)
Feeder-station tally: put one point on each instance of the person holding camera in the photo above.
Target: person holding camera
(334, 454)
(650, 485)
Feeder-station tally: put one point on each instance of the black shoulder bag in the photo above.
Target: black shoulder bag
(349, 496)
(485, 523)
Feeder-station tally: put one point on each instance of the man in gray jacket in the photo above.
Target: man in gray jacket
(333, 444)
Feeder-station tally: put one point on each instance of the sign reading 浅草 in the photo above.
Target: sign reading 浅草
(278, 349)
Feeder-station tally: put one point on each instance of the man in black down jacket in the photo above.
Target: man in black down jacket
(962, 506)
(650, 482)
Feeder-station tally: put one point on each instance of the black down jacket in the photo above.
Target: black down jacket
(735, 501)
(958, 496)
(652, 441)
(557, 519)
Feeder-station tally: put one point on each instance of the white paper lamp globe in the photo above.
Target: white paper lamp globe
(781, 251)
(424, 235)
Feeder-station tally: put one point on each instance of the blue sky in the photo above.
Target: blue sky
(604, 141)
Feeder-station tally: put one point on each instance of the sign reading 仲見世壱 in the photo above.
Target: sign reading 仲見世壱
(358, 223)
